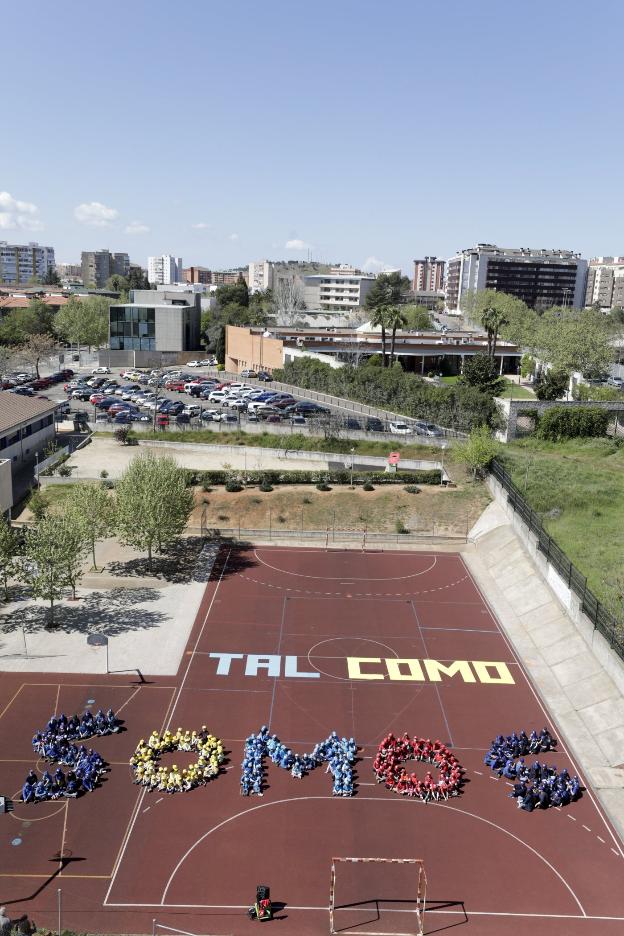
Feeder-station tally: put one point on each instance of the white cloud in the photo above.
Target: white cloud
(233, 237)
(18, 214)
(95, 214)
(297, 244)
(200, 226)
(374, 265)
(136, 227)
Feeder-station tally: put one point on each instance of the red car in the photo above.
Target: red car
(175, 385)
(96, 398)
(42, 383)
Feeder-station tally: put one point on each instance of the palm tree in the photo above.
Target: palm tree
(492, 320)
(380, 318)
(394, 319)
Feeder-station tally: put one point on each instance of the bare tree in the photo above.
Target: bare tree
(35, 349)
(288, 299)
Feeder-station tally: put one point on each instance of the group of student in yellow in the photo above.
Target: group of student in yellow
(154, 776)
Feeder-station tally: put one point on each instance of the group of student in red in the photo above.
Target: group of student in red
(389, 767)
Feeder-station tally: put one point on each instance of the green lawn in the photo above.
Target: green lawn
(577, 487)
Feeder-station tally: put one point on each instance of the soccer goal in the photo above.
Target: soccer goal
(397, 895)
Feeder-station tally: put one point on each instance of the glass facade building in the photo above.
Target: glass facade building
(132, 328)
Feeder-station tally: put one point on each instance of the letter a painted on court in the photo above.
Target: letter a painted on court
(271, 663)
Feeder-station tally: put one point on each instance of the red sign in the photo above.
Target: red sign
(394, 458)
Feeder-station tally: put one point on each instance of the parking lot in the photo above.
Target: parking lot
(191, 398)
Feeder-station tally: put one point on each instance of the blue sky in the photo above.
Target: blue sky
(365, 132)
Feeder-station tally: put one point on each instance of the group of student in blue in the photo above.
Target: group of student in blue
(85, 765)
(338, 753)
(535, 785)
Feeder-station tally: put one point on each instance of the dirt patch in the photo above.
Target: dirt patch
(303, 507)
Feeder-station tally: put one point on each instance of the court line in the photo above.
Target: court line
(437, 688)
(374, 799)
(167, 722)
(279, 642)
(11, 701)
(63, 838)
(337, 578)
(121, 707)
(58, 693)
(46, 876)
(547, 714)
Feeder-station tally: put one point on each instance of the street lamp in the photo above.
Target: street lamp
(352, 454)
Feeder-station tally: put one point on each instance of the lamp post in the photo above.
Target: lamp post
(443, 447)
(352, 454)
(37, 469)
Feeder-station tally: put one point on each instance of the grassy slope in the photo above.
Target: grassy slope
(582, 483)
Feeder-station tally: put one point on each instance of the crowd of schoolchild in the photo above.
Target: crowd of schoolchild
(147, 772)
(338, 753)
(535, 785)
(53, 744)
(389, 767)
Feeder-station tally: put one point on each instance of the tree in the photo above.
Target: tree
(395, 319)
(6, 356)
(35, 349)
(51, 278)
(237, 293)
(9, 550)
(493, 318)
(380, 319)
(551, 384)
(137, 279)
(480, 371)
(288, 299)
(388, 289)
(417, 318)
(576, 340)
(153, 503)
(478, 451)
(84, 321)
(54, 551)
(93, 511)
(20, 324)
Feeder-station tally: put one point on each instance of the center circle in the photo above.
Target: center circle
(331, 640)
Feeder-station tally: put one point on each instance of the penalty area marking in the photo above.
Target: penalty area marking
(337, 578)
(371, 799)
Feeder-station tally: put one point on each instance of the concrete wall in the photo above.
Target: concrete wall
(6, 486)
(244, 348)
(570, 602)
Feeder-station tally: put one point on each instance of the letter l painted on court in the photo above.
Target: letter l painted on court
(290, 669)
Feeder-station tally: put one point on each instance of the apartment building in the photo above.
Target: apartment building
(260, 276)
(605, 282)
(164, 270)
(19, 263)
(98, 265)
(343, 289)
(428, 275)
(541, 278)
(197, 274)
(228, 277)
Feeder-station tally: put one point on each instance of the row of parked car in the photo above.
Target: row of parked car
(26, 385)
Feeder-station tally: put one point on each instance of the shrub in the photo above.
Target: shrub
(367, 486)
(411, 489)
(233, 486)
(38, 504)
(65, 471)
(108, 484)
(562, 422)
(121, 434)
(323, 486)
(103, 473)
(265, 487)
(223, 517)
(400, 527)
(206, 487)
(339, 476)
(551, 385)
(281, 518)
(307, 500)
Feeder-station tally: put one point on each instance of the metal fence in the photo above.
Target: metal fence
(603, 620)
(330, 536)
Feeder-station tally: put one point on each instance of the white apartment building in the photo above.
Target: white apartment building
(343, 289)
(260, 276)
(20, 262)
(164, 270)
(605, 282)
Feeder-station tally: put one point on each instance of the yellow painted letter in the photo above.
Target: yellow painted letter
(503, 676)
(434, 668)
(415, 669)
(355, 672)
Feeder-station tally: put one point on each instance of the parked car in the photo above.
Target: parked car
(236, 403)
(23, 391)
(192, 410)
(298, 420)
(105, 403)
(101, 370)
(427, 429)
(307, 408)
(616, 382)
(209, 362)
(209, 415)
(373, 424)
(400, 428)
(264, 375)
(83, 393)
(217, 396)
(351, 423)
(248, 372)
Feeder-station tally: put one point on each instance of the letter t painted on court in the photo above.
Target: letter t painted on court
(225, 659)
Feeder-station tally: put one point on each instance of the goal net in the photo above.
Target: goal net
(377, 896)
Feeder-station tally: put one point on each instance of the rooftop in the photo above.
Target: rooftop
(16, 409)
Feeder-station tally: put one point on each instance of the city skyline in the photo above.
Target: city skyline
(289, 135)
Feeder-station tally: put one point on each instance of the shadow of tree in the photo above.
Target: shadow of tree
(233, 556)
(176, 563)
(113, 612)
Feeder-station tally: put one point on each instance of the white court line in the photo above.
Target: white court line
(172, 708)
(377, 800)
(121, 707)
(547, 714)
(336, 578)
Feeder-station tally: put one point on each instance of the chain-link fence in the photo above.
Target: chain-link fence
(603, 620)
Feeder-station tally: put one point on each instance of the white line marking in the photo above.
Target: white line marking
(372, 799)
(121, 707)
(480, 772)
(336, 578)
(570, 817)
(601, 840)
(615, 852)
(587, 829)
(130, 830)
(160, 800)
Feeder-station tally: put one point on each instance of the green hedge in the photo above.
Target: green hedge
(561, 422)
(454, 406)
(274, 477)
